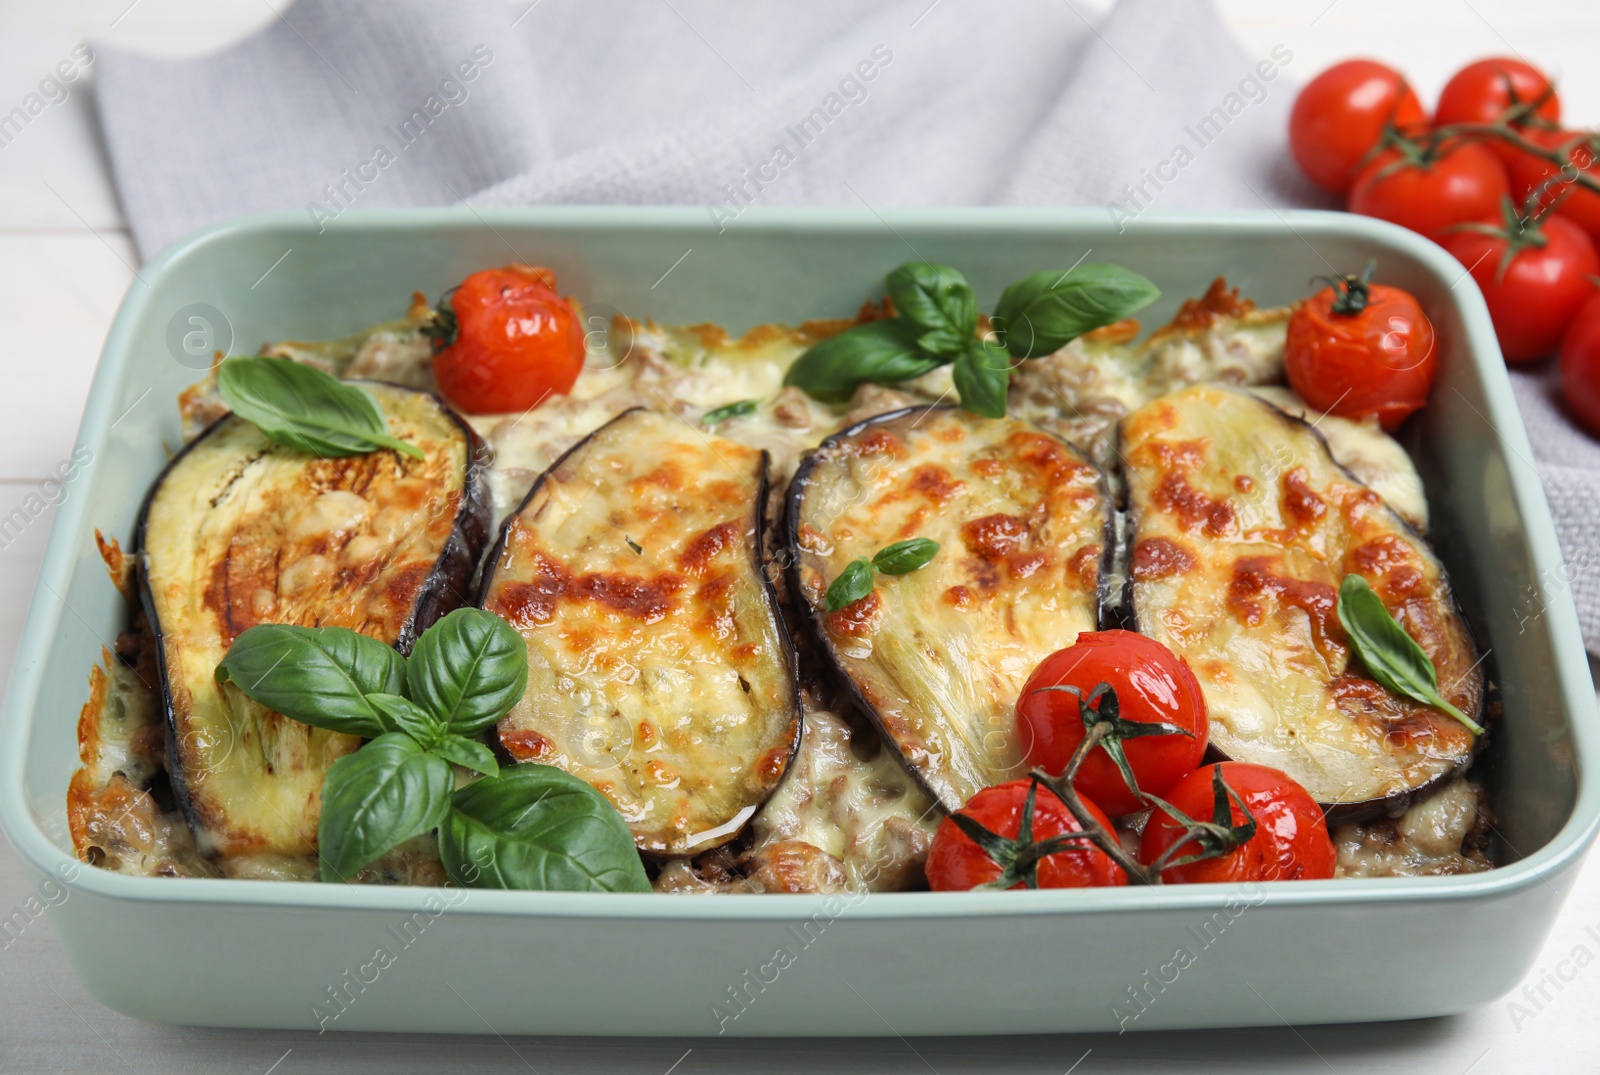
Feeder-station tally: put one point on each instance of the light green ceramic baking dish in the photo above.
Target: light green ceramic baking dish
(346, 958)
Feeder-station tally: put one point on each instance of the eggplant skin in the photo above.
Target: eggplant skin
(238, 531)
(937, 657)
(659, 667)
(1242, 528)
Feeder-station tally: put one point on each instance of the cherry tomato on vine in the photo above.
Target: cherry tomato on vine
(1291, 841)
(504, 341)
(1361, 350)
(1151, 683)
(1559, 186)
(1457, 181)
(1580, 365)
(956, 862)
(1340, 116)
(1485, 91)
(1534, 275)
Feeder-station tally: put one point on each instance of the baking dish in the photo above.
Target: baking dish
(231, 952)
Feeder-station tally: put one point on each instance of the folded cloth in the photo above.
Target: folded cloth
(915, 102)
(341, 105)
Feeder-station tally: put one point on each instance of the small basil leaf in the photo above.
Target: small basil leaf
(904, 557)
(317, 675)
(1042, 313)
(377, 798)
(537, 827)
(742, 409)
(938, 301)
(468, 669)
(468, 753)
(853, 583)
(409, 717)
(303, 408)
(981, 375)
(1391, 656)
(879, 352)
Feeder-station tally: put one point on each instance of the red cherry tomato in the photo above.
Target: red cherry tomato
(1533, 291)
(1361, 350)
(1484, 91)
(1464, 182)
(956, 863)
(1580, 365)
(1558, 186)
(1291, 841)
(1151, 684)
(515, 342)
(1340, 115)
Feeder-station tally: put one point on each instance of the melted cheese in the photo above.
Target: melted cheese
(939, 654)
(1436, 837)
(1081, 391)
(1366, 451)
(864, 812)
(658, 670)
(1243, 530)
(241, 531)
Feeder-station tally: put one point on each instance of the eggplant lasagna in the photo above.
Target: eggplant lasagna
(667, 557)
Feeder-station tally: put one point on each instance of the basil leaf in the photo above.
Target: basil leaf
(537, 827)
(409, 717)
(301, 407)
(468, 753)
(853, 583)
(880, 352)
(468, 669)
(743, 408)
(981, 375)
(938, 301)
(1042, 313)
(320, 676)
(1391, 656)
(381, 796)
(904, 557)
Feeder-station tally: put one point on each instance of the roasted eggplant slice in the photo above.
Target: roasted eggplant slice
(659, 669)
(1242, 528)
(239, 531)
(937, 656)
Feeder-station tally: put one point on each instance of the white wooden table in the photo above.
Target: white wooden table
(65, 260)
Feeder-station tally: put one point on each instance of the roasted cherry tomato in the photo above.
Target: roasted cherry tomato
(956, 862)
(1361, 350)
(1291, 841)
(1580, 365)
(1534, 276)
(1460, 181)
(1340, 116)
(1487, 90)
(1152, 684)
(505, 341)
(1558, 187)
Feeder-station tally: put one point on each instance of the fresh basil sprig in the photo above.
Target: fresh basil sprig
(855, 581)
(574, 841)
(878, 352)
(301, 407)
(509, 829)
(1045, 311)
(936, 324)
(1391, 656)
(938, 301)
(377, 798)
(322, 676)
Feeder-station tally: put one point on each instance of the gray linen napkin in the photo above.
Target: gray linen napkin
(344, 105)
